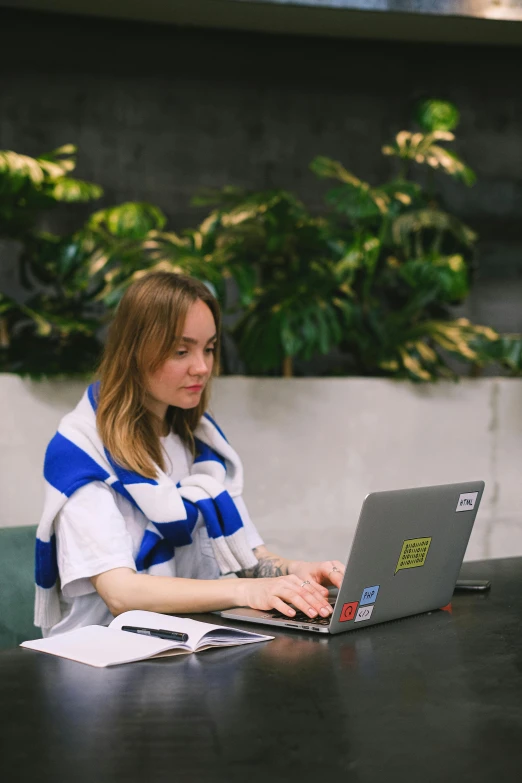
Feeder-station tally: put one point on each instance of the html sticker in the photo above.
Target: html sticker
(348, 611)
(467, 501)
(364, 613)
(413, 553)
(369, 595)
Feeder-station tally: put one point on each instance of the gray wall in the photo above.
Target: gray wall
(159, 111)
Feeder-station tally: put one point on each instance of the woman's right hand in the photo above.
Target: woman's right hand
(281, 591)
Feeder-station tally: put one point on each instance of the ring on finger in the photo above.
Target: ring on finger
(305, 583)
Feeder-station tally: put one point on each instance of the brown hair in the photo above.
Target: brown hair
(147, 325)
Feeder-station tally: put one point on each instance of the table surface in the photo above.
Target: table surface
(436, 697)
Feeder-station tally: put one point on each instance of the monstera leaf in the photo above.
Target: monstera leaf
(44, 179)
(299, 320)
(355, 198)
(447, 276)
(422, 148)
(420, 230)
(17, 170)
(417, 351)
(132, 220)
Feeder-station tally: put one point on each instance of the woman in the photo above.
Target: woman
(143, 507)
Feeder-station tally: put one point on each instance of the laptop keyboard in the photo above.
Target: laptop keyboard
(301, 617)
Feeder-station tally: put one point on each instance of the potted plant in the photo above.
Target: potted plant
(71, 283)
(376, 278)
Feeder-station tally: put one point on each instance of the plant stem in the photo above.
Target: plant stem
(475, 371)
(4, 333)
(288, 369)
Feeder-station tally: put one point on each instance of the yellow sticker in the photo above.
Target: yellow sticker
(413, 553)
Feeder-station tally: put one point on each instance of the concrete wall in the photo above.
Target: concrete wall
(313, 448)
(159, 111)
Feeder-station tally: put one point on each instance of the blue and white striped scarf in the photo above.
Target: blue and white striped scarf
(76, 456)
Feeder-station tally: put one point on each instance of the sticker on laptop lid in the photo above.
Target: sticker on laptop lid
(369, 595)
(364, 613)
(348, 611)
(413, 553)
(467, 501)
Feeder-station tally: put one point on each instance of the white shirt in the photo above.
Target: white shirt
(98, 529)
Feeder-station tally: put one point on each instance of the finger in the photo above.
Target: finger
(319, 593)
(305, 601)
(321, 589)
(282, 607)
(318, 586)
(334, 572)
(318, 600)
(298, 581)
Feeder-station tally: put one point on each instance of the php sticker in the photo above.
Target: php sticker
(369, 595)
(413, 553)
(467, 501)
(364, 613)
(348, 611)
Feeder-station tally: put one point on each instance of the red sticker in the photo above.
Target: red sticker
(348, 611)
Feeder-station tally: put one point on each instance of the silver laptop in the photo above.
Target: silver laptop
(405, 559)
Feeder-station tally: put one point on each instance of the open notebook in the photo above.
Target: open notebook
(99, 645)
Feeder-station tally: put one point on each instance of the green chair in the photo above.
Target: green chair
(17, 585)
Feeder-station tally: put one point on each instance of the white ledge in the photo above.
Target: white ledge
(312, 449)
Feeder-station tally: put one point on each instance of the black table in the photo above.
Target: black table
(437, 697)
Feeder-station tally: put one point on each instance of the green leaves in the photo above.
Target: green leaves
(404, 262)
(446, 275)
(300, 324)
(505, 351)
(18, 170)
(356, 199)
(44, 178)
(374, 279)
(422, 148)
(434, 115)
(73, 282)
(73, 190)
(509, 352)
(285, 272)
(331, 169)
(422, 231)
(419, 350)
(30, 185)
(132, 220)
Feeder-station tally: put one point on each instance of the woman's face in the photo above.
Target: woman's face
(183, 376)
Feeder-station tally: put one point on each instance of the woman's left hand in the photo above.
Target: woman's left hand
(327, 572)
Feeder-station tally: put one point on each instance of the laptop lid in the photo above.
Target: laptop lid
(406, 554)
(405, 558)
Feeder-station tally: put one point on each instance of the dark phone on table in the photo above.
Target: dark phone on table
(472, 584)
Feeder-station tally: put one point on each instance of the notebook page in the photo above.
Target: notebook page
(99, 646)
(207, 645)
(196, 630)
(227, 637)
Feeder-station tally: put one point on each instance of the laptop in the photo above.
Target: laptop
(405, 559)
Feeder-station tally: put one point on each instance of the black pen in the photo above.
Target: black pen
(174, 636)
